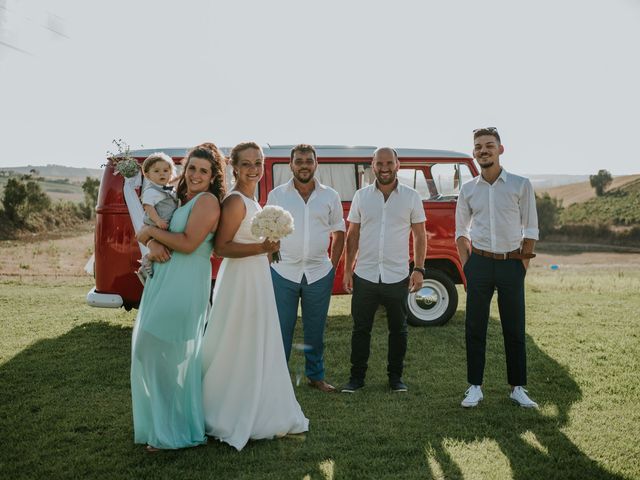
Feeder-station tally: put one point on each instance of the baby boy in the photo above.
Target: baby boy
(158, 200)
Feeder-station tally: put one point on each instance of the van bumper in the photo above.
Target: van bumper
(103, 300)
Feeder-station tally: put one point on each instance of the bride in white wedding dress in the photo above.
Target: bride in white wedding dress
(247, 391)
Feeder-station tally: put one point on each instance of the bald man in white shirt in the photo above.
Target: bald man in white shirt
(381, 218)
(496, 231)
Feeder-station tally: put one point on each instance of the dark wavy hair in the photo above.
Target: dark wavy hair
(303, 148)
(493, 131)
(211, 153)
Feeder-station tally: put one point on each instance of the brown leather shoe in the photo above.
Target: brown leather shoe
(322, 386)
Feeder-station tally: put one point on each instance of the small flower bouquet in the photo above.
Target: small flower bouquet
(122, 161)
(272, 223)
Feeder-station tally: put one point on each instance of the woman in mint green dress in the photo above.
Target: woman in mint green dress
(166, 370)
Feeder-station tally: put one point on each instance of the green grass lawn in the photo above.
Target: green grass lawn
(65, 404)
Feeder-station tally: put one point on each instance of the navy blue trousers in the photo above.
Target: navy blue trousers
(484, 275)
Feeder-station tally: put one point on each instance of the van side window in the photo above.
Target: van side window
(281, 174)
(414, 178)
(339, 176)
(447, 179)
(365, 175)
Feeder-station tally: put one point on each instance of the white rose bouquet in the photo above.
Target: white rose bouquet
(272, 223)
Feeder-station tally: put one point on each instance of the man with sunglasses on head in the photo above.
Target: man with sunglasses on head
(496, 230)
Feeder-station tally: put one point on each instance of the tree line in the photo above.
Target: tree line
(25, 206)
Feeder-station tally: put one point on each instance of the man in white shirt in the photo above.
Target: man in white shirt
(381, 217)
(305, 274)
(496, 230)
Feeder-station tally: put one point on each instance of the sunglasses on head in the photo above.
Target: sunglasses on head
(486, 129)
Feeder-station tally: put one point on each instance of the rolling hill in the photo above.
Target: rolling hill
(619, 206)
(583, 191)
(57, 191)
(54, 183)
(58, 172)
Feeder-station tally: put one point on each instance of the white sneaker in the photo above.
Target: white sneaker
(519, 396)
(473, 396)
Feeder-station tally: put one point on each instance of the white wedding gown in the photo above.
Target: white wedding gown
(246, 387)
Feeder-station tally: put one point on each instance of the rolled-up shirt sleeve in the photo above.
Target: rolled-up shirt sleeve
(417, 210)
(463, 217)
(354, 211)
(336, 217)
(528, 212)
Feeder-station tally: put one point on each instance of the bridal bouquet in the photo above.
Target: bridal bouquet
(272, 223)
(122, 161)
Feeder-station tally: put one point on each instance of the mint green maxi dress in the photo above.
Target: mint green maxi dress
(166, 369)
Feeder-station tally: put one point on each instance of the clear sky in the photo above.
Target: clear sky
(560, 79)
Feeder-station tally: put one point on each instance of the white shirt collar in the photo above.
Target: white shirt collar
(291, 185)
(395, 189)
(154, 184)
(503, 176)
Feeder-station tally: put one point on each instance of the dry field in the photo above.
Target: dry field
(583, 191)
(66, 256)
(61, 255)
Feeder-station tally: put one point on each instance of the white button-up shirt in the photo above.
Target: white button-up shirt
(305, 251)
(383, 251)
(496, 217)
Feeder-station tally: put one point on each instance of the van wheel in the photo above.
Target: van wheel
(435, 303)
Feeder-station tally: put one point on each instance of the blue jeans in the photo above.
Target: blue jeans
(315, 300)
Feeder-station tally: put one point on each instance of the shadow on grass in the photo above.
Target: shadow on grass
(65, 412)
(426, 434)
(532, 441)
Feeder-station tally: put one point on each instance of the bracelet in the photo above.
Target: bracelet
(148, 242)
(419, 269)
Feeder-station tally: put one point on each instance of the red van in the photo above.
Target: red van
(436, 174)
